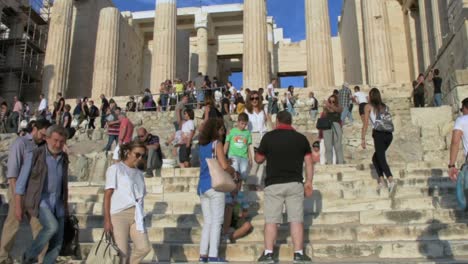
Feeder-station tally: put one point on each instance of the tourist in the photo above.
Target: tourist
(316, 157)
(313, 104)
(285, 152)
(211, 112)
(27, 112)
(179, 111)
(16, 157)
(345, 96)
(104, 106)
(113, 127)
(290, 100)
(84, 115)
(188, 131)
(131, 105)
(361, 99)
(240, 104)
(437, 88)
(237, 146)
(419, 91)
(93, 114)
(16, 114)
(382, 139)
(231, 88)
(154, 157)
(47, 163)
(66, 119)
(4, 115)
(226, 111)
(58, 108)
(237, 223)
(333, 137)
(77, 110)
(125, 133)
(258, 127)
(148, 102)
(42, 109)
(459, 135)
(272, 98)
(124, 196)
(212, 202)
(179, 88)
(172, 100)
(200, 94)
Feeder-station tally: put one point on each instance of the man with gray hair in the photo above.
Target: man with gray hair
(42, 192)
(16, 159)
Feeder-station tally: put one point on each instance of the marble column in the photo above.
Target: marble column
(164, 43)
(107, 53)
(201, 25)
(377, 42)
(437, 24)
(255, 57)
(319, 47)
(57, 58)
(424, 33)
(271, 47)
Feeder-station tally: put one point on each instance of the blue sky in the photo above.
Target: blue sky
(288, 14)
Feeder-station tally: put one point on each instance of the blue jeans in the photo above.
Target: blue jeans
(291, 109)
(437, 99)
(346, 113)
(111, 140)
(51, 233)
(240, 165)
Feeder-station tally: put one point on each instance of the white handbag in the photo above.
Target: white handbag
(221, 181)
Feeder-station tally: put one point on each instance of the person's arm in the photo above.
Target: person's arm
(21, 185)
(207, 111)
(308, 185)
(179, 120)
(222, 159)
(14, 163)
(226, 147)
(122, 133)
(454, 147)
(365, 125)
(107, 217)
(65, 121)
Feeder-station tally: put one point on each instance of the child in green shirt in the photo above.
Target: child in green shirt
(237, 145)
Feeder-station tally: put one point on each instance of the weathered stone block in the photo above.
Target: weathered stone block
(431, 117)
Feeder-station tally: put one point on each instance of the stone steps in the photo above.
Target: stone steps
(336, 252)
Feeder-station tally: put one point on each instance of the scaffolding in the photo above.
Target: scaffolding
(23, 39)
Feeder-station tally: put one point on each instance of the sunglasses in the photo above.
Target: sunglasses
(254, 98)
(139, 155)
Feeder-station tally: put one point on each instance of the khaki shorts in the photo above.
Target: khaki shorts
(292, 195)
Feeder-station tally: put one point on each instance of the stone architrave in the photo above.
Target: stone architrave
(319, 47)
(255, 58)
(201, 25)
(107, 53)
(377, 42)
(164, 43)
(57, 58)
(424, 34)
(437, 23)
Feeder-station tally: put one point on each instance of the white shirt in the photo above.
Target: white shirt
(271, 90)
(257, 121)
(42, 105)
(361, 97)
(128, 185)
(232, 90)
(462, 124)
(188, 127)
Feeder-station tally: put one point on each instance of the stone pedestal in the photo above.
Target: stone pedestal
(379, 58)
(164, 43)
(319, 48)
(107, 53)
(437, 24)
(424, 33)
(57, 58)
(255, 58)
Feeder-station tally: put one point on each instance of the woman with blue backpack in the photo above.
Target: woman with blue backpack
(382, 131)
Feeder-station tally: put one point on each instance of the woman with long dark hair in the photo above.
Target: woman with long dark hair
(333, 137)
(382, 139)
(212, 202)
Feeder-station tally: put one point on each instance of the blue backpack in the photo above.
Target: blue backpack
(462, 186)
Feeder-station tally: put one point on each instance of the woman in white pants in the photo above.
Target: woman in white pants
(212, 202)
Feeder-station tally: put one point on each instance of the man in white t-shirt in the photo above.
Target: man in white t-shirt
(231, 89)
(361, 99)
(272, 98)
(460, 133)
(42, 109)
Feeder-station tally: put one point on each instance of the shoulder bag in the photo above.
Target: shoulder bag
(104, 251)
(221, 181)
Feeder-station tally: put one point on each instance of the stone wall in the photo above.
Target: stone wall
(292, 57)
(84, 34)
(130, 60)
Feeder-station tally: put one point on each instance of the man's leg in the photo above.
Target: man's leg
(36, 228)
(50, 227)
(55, 243)
(273, 210)
(151, 162)
(10, 228)
(295, 208)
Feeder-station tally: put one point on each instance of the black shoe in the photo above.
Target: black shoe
(266, 258)
(301, 258)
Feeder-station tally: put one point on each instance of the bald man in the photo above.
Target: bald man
(154, 159)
